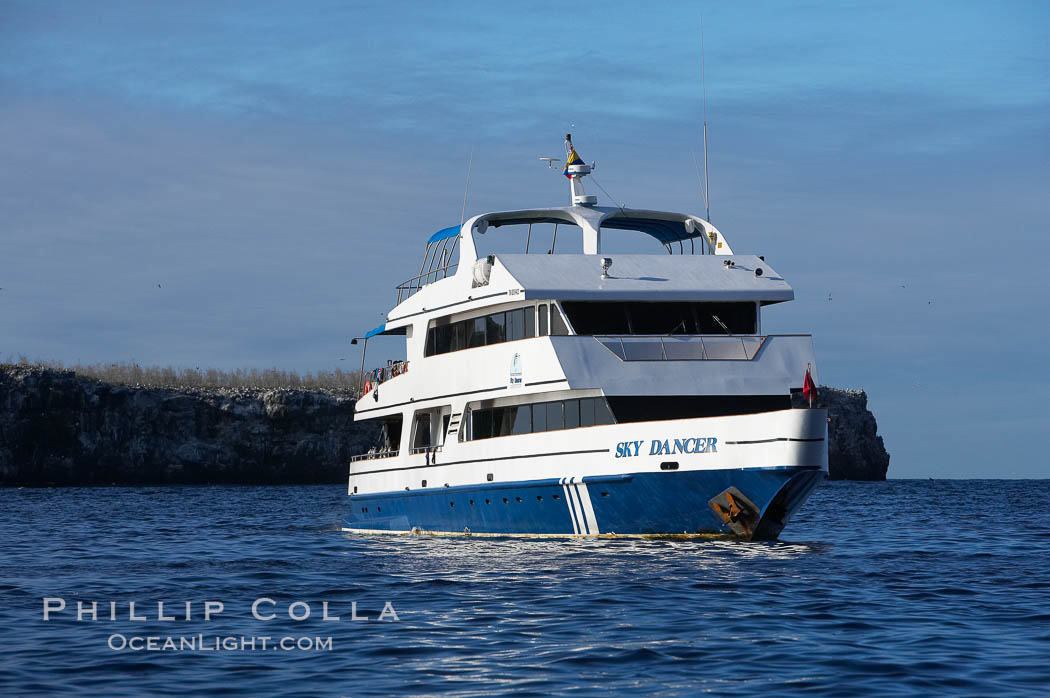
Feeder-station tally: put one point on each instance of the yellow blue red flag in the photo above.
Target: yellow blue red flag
(573, 159)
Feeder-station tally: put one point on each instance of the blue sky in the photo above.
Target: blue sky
(276, 167)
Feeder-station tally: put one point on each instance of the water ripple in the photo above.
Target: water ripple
(890, 588)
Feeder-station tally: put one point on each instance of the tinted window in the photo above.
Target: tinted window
(515, 324)
(477, 332)
(664, 318)
(555, 416)
(443, 339)
(522, 420)
(482, 331)
(572, 414)
(587, 412)
(459, 336)
(481, 424)
(539, 418)
(495, 328)
(558, 326)
(543, 320)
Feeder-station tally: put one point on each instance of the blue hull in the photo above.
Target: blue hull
(753, 503)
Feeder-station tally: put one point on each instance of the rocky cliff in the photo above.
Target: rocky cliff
(855, 450)
(60, 428)
(56, 427)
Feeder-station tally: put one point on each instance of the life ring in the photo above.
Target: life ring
(368, 387)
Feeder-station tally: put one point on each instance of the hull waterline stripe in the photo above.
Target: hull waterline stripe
(769, 441)
(556, 380)
(482, 460)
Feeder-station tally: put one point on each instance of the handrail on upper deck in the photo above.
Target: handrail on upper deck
(441, 264)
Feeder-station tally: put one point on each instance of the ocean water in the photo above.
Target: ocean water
(896, 588)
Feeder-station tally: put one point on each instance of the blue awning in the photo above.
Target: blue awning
(444, 234)
(383, 330)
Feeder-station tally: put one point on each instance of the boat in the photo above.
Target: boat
(567, 391)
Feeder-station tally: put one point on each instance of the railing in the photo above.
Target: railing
(373, 454)
(682, 348)
(440, 266)
(408, 288)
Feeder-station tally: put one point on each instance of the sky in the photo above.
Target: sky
(243, 184)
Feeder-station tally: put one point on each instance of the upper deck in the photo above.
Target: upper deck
(454, 250)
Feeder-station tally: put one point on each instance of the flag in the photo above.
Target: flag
(573, 159)
(809, 388)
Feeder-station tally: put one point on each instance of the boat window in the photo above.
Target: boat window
(572, 414)
(661, 318)
(645, 408)
(586, 413)
(558, 326)
(515, 324)
(522, 420)
(495, 328)
(555, 416)
(476, 338)
(538, 417)
(421, 429)
(390, 433)
(543, 319)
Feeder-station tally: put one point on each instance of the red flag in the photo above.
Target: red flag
(809, 388)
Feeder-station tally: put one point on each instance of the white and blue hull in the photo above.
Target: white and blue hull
(769, 463)
(633, 504)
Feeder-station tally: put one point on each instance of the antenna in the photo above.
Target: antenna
(470, 162)
(703, 87)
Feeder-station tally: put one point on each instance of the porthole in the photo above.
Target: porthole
(539, 498)
(379, 508)
(557, 496)
(605, 494)
(517, 499)
(489, 477)
(506, 501)
(669, 465)
(487, 502)
(452, 504)
(424, 483)
(472, 502)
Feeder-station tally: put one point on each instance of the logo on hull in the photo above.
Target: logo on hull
(668, 447)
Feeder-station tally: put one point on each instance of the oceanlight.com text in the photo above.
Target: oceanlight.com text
(217, 643)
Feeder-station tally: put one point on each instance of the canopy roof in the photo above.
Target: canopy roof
(444, 234)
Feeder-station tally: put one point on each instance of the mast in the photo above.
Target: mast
(576, 169)
(703, 87)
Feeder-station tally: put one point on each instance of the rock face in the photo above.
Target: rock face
(855, 450)
(58, 428)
